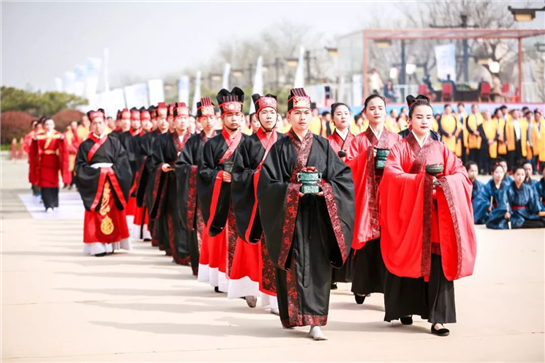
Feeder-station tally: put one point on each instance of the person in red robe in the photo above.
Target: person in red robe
(340, 140)
(73, 142)
(252, 274)
(48, 158)
(426, 220)
(103, 177)
(36, 126)
(140, 148)
(126, 139)
(368, 265)
(214, 190)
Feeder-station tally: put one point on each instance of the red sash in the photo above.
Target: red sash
(267, 145)
(96, 146)
(231, 143)
(232, 146)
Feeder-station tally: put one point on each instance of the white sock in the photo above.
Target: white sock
(316, 333)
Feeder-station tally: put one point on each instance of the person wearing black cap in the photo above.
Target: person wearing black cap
(138, 145)
(103, 177)
(146, 186)
(186, 176)
(214, 188)
(252, 271)
(309, 229)
(169, 231)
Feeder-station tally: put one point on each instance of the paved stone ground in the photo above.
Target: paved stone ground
(59, 305)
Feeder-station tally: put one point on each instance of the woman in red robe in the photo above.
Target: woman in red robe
(426, 218)
(49, 156)
(368, 265)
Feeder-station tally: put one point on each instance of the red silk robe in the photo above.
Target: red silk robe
(360, 158)
(417, 219)
(49, 156)
(338, 144)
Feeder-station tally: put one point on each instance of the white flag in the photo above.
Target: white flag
(226, 71)
(197, 94)
(69, 82)
(258, 81)
(92, 71)
(445, 56)
(300, 72)
(183, 89)
(156, 91)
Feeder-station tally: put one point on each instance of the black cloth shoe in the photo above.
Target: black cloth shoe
(333, 286)
(406, 320)
(359, 299)
(443, 332)
(217, 289)
(100, 254)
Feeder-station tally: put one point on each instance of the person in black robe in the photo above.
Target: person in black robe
(103, 178)
(214, 190)
(140, 148)
(306, 234)
(186, 176)
(123, 122)
(145, 186)
(168, 229)
(253, 271)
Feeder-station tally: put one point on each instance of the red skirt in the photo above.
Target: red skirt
(131, 206)
(141, 215)
(247, 261)
(107, 225)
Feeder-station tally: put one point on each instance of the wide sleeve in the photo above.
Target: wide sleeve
(87, 178)
(481, 203)
(64, 161)
(456, 223)
(276, 202)
(214, 194)
(186, 179)
(401, 206)
(121, 169)
(338, 189)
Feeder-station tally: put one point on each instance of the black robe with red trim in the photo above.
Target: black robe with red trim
(186, 177)
(246, 174)
(88, 178)
(145, 149)
(209, 168)
(306, 235)
(168, 229)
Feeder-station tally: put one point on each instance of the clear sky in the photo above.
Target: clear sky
(42, 40)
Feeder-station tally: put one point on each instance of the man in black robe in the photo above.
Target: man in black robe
(145, 185)
(305, 233)
(127, 140)
(186, 175)
(103, 178)
(253, 270)
(214, 189)
(123, 120)
(170, 234)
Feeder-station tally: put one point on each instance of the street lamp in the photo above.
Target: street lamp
(292, 62)
(333, 52)
(383, 43)
(524, 14)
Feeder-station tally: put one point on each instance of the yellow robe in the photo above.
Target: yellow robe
(449, 125)
(473, 122)
(490, 128)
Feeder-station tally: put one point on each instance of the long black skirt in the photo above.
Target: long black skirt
(345, 273)
(369, 270)
(433, 300)
(50, 197)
